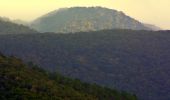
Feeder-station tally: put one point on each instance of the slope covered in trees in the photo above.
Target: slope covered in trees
(7, 27)
(134, 61)
(78, 19)
(22, 82)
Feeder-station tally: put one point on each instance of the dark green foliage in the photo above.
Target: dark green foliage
(20, 82)
(133, 61)
(82, 19)
(102, 92)
(7, 27)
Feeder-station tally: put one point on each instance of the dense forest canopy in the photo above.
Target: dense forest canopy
(134, 61)
(19, 81)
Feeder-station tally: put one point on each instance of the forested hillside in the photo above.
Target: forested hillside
(19, 81)
(134, 61)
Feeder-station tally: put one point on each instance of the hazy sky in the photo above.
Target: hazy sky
(149, 11)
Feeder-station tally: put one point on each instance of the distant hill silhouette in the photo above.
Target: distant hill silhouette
(79, 19)
(20, 22)
(8, 27)
(153, 27)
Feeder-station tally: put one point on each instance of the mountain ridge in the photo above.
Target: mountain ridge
(77, 19)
